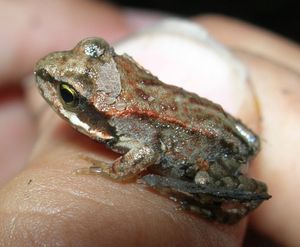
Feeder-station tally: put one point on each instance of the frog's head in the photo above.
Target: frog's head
(80, 83)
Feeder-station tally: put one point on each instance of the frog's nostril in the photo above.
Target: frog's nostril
(43, 74)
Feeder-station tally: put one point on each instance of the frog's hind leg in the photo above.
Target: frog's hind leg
(221, 204)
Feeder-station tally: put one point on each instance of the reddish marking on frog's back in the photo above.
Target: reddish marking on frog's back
(169, 104)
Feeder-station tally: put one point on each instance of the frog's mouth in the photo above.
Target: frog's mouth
(83, 127)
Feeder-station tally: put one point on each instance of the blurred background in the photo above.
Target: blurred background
(280, 16)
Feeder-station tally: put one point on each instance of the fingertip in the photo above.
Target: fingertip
(52, 205)
(245, 36)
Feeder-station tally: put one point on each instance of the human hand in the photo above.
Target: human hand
(47, 204)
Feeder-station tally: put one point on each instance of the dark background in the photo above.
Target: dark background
(280, 16)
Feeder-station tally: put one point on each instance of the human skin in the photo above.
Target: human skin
(45, 203)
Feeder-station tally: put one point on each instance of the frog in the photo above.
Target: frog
(174, 142)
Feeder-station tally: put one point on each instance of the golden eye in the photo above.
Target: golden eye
(69, 95)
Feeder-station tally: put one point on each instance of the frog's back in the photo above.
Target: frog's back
(146, 95)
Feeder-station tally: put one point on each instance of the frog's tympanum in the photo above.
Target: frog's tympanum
(177, 143)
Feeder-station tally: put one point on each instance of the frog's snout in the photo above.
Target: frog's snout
(44, 84)
(42, 75)
(42, 79)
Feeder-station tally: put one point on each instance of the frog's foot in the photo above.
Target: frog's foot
(98, 168)
(217, 203)
(103, 169)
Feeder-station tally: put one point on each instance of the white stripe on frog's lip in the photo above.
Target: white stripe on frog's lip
(85, 127)
(75, 120)
(101, 135)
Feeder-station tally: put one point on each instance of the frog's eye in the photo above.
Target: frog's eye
(68, 95)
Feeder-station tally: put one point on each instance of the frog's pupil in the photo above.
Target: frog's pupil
(68, 94)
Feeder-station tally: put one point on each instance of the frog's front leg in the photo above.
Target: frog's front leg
(137, 159)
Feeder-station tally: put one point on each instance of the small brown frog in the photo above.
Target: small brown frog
(176, 142)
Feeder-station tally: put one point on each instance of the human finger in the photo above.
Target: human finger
(278, 94)
(275, 81)
(244, 36)
(90, 209)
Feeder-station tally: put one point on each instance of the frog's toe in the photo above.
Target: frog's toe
(93, 170)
